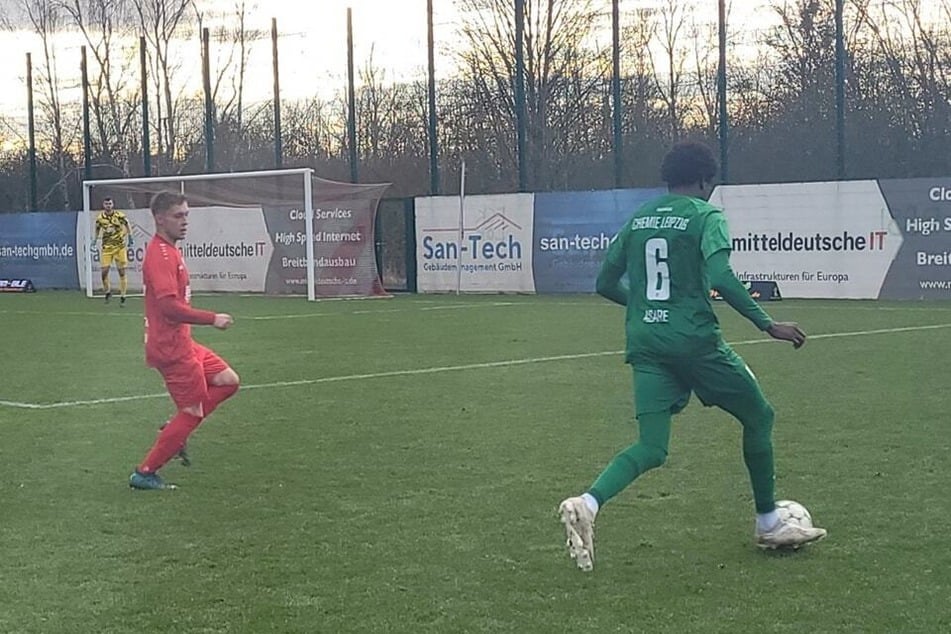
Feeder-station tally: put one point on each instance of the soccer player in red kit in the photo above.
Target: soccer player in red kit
(197, 379)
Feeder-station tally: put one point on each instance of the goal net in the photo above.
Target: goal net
(278, 232)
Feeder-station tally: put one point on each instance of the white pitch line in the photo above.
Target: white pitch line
(138, 315)
(447, 368)
(881, 331)
(384, 311)
(326, 379)
(74, 313)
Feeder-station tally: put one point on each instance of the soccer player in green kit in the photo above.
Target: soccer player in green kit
(673, 250)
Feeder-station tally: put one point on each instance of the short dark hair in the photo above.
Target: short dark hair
(163, 201)
(688, 163)
(107, 199)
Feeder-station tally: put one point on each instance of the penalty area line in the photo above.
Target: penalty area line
(446, 368)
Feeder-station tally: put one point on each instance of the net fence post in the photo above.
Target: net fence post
(462, 230)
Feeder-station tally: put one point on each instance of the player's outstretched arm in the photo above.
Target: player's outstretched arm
(731, 289)
(178, 311)
(610, 283)
(724, 280)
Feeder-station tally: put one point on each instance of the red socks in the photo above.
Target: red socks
(172, 438)
(170, 441)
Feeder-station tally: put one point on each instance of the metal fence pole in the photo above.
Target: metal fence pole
(840, 88)
(433, 138)
(278, 138)
(352, 103)
(146, 142)
(616, 93)
(520, 93)
(724, 116)
(87, 140)
(31, 125)
(209, 104)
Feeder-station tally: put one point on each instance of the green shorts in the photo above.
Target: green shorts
(718, 378)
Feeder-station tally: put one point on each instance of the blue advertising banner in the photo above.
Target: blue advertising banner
(573, 231)
(40, 247)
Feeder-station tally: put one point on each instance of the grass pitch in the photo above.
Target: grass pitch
(394, 466)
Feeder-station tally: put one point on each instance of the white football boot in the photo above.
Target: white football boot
(787, 534)
(579, 531)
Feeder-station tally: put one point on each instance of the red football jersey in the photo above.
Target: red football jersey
(163, 275)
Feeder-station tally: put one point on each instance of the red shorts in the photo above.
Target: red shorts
(187, 380)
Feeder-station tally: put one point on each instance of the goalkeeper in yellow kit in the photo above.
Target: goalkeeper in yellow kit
(112, 227)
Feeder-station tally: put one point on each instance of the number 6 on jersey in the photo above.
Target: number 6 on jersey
(658, 271)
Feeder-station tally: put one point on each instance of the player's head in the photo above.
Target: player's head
(689, 168)
(170, 211)
(108, 205)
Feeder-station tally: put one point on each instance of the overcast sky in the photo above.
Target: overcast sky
(312, 45)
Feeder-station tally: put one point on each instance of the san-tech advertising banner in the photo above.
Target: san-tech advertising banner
(573, 231)
(40, 247)
(226, 248)
(922, 267)
(487, 249)
(819, 240)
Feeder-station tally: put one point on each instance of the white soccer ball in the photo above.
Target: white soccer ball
(791, 511)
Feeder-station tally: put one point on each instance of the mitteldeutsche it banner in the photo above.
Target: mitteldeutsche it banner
(226, 249)
(818, 240)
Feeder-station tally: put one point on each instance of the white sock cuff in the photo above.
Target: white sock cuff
(767, 521)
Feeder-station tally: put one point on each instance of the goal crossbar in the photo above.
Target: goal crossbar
(142, 180)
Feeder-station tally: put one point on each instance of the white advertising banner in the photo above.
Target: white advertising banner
(226, 249)
(817, 240)
(484, 247)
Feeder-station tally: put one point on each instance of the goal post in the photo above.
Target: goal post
(277, 232)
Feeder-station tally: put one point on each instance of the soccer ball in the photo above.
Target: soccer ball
(790, 511)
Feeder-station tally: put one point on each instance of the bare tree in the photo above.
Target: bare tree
(45, 18)
(233, 39)
(909, 72)
(704, 68)
(564, 74)
(670, 26)
(162, 22)
(114, 92)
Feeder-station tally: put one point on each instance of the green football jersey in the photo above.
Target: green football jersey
(663, 248)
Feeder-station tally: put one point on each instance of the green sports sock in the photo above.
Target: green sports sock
(762, 478)
(648, 453)
(758, 454)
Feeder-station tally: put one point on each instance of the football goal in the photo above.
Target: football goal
(277, 232)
